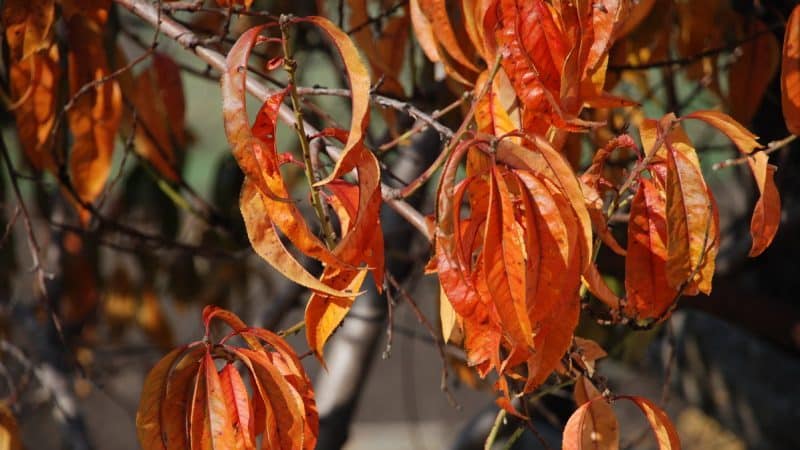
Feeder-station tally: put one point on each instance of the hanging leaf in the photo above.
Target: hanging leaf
(95, 117)
(593, 425)
(28, 26)
(664, 431)
(34, 86)
(186, 396)
(752, 71)
(739, 135)
(691, 212)
(649, 294)
(790, 73)
(767, 213)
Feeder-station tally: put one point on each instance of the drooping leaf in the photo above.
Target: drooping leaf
(256, 155)
(267, 243)
(357, 74)
(148, 416)
(239, 408)
(436, 13)
(217, 415)
(187, 403)
(790, 73)
(739, 135)
(649, 294)
(691, 230)
(34, 90)
(666, 436)
(95, 117)
(28, 25)
(324, 313)
(767, 213)
(423, 31)
(753, 71)
(593, 425)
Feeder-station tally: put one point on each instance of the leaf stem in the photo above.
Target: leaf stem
(290, 65)
(498, 421)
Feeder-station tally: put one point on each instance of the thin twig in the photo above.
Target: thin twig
(772, 147)
(436, 336)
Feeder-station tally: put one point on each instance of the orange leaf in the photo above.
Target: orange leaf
(217, 416)
(238, 406)
(28, 25)
(358, 75)
(552, 165)
(593, 425)
(95, 116)
(662, 427)
(649, 294)
(256, 155)
(739, 135)
(266, 242)
(34, 87)
(767, 213)
(504, 263)
(598, 287)
(436, 13)
(324, 313)
(790, 73)
(148, 416)
(490, 115)
(690, 216)
(423, 31)
(753, 71)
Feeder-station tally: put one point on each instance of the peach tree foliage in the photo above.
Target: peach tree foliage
(518, 219)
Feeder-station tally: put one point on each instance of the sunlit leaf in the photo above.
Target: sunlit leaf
(767, 213)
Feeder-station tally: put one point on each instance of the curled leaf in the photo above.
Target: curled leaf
(767, 213)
